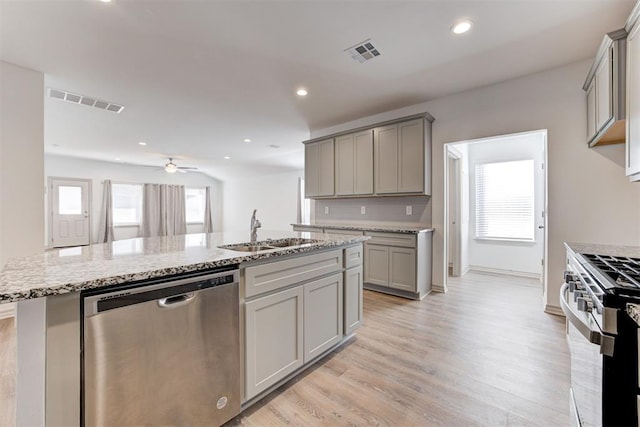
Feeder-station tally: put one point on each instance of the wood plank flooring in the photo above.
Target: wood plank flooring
(482, 354)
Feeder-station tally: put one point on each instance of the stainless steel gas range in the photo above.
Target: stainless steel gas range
(599, 284)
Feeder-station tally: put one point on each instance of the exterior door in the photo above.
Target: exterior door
(70, 211)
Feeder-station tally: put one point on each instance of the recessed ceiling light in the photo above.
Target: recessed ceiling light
(105, 1)
(302, 92)
(142, 143)
(118, 158)
(227, 157)
(247, 140)
(461, 27)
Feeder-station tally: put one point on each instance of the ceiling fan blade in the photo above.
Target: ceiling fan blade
(186, 168)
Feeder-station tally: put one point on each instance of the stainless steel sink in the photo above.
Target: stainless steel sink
(269, 245)
(246, 248)
(296, 241)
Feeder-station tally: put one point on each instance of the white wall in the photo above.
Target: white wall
(274, 196)
(97, 172)
(589, 199)
(504, 256)
(21, 161)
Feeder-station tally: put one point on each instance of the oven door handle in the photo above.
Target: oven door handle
(606, 342)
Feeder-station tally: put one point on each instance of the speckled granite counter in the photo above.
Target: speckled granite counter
(383, 228)
(87, 267)
(614, 250)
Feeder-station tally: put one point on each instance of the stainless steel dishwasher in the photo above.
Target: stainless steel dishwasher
(162, 352)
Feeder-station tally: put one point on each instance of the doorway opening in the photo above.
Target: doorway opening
(69, 212)
(495, 206)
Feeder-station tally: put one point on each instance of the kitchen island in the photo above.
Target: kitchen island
(48, 288)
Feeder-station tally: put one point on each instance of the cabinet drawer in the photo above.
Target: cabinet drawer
(392, 239)
(353, 256)
(275, 275)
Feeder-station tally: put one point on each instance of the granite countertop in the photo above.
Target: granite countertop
(613, 250)
(88, 267)
(383, 228)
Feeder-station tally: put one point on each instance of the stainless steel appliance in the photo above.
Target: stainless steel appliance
(162, 352)
(603, 339)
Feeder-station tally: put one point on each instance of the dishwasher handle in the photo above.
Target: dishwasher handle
(176, 300)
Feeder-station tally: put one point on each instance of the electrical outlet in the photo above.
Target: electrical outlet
(363, 210)
(409, 210)
(326, 210)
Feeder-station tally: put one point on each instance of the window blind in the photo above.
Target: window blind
(505, 200)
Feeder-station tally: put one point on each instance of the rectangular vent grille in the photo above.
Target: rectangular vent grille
(85, 100)
(364, 51)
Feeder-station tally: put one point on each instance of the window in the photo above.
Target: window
(127, 204)
(195, 204)
(504, 200)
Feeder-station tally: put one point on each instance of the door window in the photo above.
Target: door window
(69, 200)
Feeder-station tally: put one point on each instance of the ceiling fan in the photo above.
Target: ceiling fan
(173, 168)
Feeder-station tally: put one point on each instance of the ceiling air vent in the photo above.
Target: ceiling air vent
(363, 51)
(85, 100)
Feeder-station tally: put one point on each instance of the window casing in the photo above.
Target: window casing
(127, 204)
(505, 201)
(195, 205)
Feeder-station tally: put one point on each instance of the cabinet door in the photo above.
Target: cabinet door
(352, 299)
(402, 269)
(363, 142)
(311, 160)
(591, 111)
(274, 339)
(633, 103)
(385, 143)
(376, 262)
(323, 321)
(325, 168)
(604, 83)
(411, 157)
(345, 159)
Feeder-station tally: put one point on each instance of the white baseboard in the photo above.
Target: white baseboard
(7, 310)
(526, 274)
(553, 309)
(438, 288)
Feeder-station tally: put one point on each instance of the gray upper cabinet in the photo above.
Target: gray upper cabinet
(319, 168)
(392, 158)
(354, 164)
(605, 88)
(633, 96)
(400, 158)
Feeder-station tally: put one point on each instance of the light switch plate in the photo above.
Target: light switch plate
(409, 210)
(326, 210)
(363, 210)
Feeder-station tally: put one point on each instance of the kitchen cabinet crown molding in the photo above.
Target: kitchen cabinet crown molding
(606, 43)
(633, 17)
(424, 115)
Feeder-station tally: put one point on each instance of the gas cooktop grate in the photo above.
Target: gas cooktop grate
(624, 272)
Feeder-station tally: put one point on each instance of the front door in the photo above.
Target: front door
(70, 216)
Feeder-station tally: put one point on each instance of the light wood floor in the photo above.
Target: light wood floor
(482, 354)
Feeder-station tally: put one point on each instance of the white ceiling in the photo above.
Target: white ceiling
(198, 77)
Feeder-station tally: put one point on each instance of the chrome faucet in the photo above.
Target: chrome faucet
(255, 224)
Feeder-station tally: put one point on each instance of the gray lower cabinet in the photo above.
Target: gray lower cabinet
(352, 299)
(398, 264)
(274, 338)
(322, 315)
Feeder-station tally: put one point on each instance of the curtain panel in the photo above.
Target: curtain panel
(105, 230)
(208, 222)
(163, 210)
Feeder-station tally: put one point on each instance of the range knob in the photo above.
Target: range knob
(570, 276)
(585, 304)
(579, 294)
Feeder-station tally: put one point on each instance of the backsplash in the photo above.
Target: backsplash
(378, 210)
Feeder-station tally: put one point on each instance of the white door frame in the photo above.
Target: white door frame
(544, 221)
(50, 180)
(454, 191)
